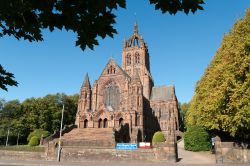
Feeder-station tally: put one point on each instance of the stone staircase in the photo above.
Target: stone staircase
(90, 137)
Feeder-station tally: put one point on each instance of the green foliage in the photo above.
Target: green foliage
(196, 139)
(173, 6)
(221, 99)
(34, 141)
(38, 133)
(6, 78)
(35, 113)
(158, 137)
(183, 108)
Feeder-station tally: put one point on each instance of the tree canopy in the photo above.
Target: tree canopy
(89, 19)
(6, 78)
(221, 100)
(35, 113)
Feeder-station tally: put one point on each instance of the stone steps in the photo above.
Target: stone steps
(89, 137)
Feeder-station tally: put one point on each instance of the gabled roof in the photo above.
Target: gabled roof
(162, 93)
(112, 62)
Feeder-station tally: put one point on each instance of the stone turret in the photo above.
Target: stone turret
(85, 94)
(84, 102)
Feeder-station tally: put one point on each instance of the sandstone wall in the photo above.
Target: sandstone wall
(231, 152)
(21, 155)
(77, 154)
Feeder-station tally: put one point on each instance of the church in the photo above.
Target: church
(124, 105)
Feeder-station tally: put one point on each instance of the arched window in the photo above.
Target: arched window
(128, 59)
(85, 125)
(137, 58)
(138, 120)
(105, 123)
(112, 96)
(111, 70)
(100, 123)
(120, 121)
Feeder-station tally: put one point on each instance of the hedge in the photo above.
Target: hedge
(196, 138)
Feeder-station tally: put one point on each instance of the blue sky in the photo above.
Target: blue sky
(180, 46)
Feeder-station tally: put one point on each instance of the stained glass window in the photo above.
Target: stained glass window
(112, 96)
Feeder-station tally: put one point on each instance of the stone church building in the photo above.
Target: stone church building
(124, 102)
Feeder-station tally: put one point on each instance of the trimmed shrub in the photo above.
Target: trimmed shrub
(34, 141)
(196, 138)
(158, 137)
(38, 133)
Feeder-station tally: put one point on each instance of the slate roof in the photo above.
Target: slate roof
(163, 93)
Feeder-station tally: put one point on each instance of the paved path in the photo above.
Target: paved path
(188, 157)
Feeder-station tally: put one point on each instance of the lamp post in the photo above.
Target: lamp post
(59, 143)
(7, 139)
(17, 141)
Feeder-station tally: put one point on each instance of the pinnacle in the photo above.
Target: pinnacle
(86, 81)
(136, 28)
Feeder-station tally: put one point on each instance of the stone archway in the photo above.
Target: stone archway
(105, 123)
(139, 136)
(121, 121)
(100, 123)
(85, 123)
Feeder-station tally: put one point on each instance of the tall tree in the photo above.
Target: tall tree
(8, 113)
(89, 19)
(221, 100)
(184, 107)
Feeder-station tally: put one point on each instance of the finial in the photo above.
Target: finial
(111, 57)
(135, 26)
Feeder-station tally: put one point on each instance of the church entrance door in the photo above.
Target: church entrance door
(105, 123)
(120, 121)
(100, 123)
(85, 124)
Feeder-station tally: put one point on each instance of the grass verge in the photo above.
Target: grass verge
(23, 148)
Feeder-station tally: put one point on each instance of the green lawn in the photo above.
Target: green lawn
(23, 148)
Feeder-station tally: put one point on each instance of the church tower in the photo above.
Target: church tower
(135, 59)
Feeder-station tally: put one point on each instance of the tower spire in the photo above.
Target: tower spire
(86, 81)
(135, 28)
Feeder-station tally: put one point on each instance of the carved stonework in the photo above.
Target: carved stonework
(125, 99)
